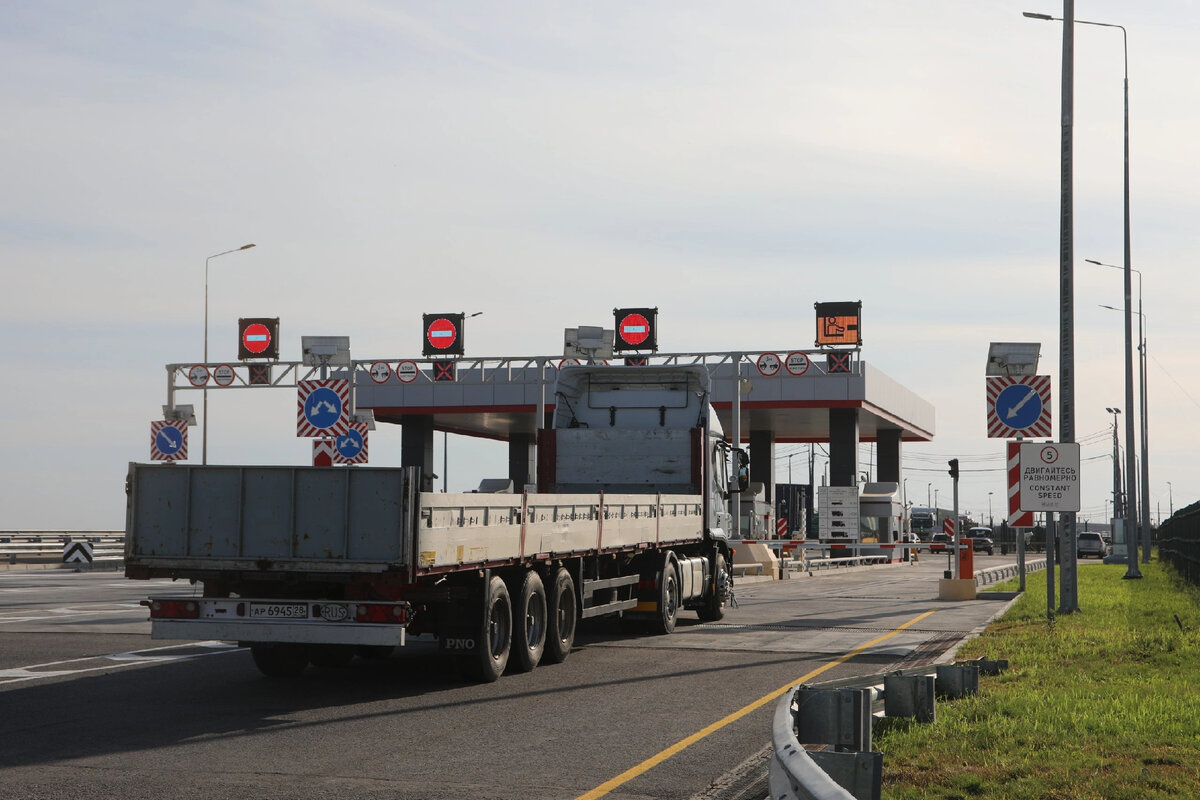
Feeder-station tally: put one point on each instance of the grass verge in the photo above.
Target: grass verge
(1103, 703)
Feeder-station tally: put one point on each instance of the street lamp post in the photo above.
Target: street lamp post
(928, 486)
(1144, 414)
(991, 521)
(1121, 503)
(1170, 500)
(204, 406)
(1130, 516)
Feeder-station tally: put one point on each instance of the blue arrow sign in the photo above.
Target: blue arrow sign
(168, 440)
(323, 408)
(349, 445)
(1018, 406)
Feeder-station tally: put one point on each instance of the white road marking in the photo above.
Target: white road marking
(151, 655)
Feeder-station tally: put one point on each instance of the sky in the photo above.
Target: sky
(543, 163)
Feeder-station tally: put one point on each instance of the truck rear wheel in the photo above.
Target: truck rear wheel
(529, 623)
(490, 658)
(714, 605)
(560, 618)
(668, 596)
(279, 660)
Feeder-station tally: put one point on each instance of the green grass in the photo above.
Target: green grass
(1103, 703)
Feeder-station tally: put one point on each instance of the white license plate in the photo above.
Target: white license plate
(279, 610)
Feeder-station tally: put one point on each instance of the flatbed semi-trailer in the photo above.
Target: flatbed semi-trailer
(312, 564)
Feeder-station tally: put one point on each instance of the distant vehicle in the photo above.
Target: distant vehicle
(922, 521)
(1090, 544)
(981, 538)
(939, 542)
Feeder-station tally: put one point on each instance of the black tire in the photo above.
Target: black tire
(714, 607)
(529, 623)
(280, 660)
(330, 656)
(494, 642)
(561, 616)
(374, 652)
(668, 596)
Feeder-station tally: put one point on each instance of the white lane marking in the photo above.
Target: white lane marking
(61, 613)
(116, 661)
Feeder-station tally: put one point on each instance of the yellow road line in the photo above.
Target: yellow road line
(683, 744)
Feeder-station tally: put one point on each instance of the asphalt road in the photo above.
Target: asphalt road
(91, 707)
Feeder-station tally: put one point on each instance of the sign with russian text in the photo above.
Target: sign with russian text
(1050, 476)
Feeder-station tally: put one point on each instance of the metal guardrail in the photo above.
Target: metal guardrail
(996, 574)
(47, 547)
(822, 732)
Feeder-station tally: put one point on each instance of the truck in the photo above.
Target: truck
(300, 564)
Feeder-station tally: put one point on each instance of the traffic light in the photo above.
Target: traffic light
(443, 335)
(258, 337)
(636, 329)
(954, 468)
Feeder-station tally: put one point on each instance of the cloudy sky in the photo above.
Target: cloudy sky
(543, 163)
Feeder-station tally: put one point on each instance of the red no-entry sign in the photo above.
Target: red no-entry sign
(256, 338)
(634, 329)
(443, 334)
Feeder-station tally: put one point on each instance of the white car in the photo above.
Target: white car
(1090, 544)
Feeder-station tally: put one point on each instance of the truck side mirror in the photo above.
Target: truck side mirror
(742, 481)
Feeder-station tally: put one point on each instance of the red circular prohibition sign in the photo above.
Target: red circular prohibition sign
(441, 333)
(634, 329)
(256, 338)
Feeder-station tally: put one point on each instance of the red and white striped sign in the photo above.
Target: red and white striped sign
(359, 456)
(1016, 517)
(322, 407)
(948, 526)
(323, 452)
(781, 526)
(997, 427)
(169, 446)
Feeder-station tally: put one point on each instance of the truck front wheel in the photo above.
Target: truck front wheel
(560, 618)
(490, 658)
(714, 605)
(279, 660)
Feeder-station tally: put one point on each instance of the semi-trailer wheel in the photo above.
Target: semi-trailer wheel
(668, 595)
(330, 656)
(494, 642)
(374, 652)
(279, 660)
(560, 618)
(714, 606)
(529, 623)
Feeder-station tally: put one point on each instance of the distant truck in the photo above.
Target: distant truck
(315, 564)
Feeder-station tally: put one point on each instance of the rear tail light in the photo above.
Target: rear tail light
(174, 609)
(380, 612)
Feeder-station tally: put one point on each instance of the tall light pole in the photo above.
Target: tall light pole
(1121, 502)
(928, 502)
(204, 406)
(1144, 415)
(991, 522)
(1131, 468)
(1170, 500)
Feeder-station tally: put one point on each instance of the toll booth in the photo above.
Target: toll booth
(880, 514)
